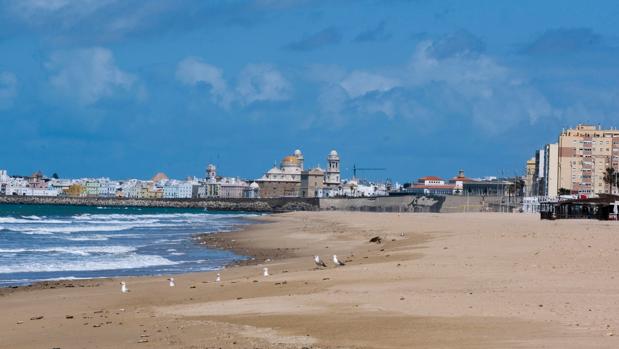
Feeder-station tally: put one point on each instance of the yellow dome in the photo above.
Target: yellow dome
(290, 161)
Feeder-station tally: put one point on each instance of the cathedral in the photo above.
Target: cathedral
(291, 179)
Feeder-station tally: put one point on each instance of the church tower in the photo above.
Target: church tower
(332, 174)
(211, 173)
(299, 156)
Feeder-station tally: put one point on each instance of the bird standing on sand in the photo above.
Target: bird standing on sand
(218, 279)
(172, 283)
(265, 271)
(123, 287)
(338, 262)
(319, 262)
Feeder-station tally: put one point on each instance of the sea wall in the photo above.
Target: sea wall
(418, 203)
(403, 203)
(215, 204)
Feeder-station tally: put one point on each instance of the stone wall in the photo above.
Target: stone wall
(254, 205)
(403, 203)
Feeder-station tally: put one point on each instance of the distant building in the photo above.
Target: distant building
(584, 153)
(290, 179)
(432, 185)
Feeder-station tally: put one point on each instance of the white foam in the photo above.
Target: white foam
(69, 229)
(127, 262)
(87, 238)
(27, 220)
(81, 251)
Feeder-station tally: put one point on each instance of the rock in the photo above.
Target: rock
(19, 322)
(376, 240)
(36, 317)
(68, 317)
(144, 340)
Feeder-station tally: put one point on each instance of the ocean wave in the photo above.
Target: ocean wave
(127, 262)
(87, 238)
(68, 230)
(80, 251)
(30, 220)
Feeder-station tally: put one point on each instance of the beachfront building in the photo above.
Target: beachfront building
(252, 192)
(312, 183)
(432, 185)
(541, 173)
(92, 188)
(232, 188)
(458, 182)
(584, 154)
(173, 189)
(291, 179)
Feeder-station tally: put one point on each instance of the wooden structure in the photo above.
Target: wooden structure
(604, 207)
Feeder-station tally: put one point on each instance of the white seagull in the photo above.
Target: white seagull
(265, 271)
(123, 287)
(319, 262)
(337, 261)
(172, 283)
(218, 279)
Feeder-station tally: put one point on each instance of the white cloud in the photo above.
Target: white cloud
(89, 75)
(261, 82)
(193, 71)
(8, 89)
(426, 89)
(256, 82)
(359, 83)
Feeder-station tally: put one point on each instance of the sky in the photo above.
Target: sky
(128, 88)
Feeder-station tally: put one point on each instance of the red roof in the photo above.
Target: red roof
(462, 179)
(434, 186)
(430, 178)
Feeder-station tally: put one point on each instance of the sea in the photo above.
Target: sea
(49, 242)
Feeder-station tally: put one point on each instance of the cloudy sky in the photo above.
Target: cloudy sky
(124, 88)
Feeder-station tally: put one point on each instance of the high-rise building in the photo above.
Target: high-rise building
(551, 171)
(584, 153)
(529, 178)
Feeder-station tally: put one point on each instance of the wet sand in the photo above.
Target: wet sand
(436, 281)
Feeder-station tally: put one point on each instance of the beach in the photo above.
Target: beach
(476, 280)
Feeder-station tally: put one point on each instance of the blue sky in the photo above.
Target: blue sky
(128, 88)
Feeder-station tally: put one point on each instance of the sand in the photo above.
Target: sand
(436, 281)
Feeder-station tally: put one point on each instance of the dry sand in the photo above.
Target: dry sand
(437, 281)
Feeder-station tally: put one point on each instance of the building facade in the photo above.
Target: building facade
(291, 179)
(584, 153)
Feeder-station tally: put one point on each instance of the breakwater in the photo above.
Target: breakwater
(266, 205)
(399, 203)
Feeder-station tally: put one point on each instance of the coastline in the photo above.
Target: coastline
(220, 240)
(436, 280)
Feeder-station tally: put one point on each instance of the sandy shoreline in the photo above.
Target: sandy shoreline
(436, 281)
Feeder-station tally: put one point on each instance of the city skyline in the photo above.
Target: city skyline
(125, 90)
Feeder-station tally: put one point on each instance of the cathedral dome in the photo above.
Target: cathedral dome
(290, 161)
(160, 177)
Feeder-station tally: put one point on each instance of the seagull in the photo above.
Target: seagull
(265, 271)
(123, 287)
(172, 284)
(319, 262)
(337, 261)
(218, 279)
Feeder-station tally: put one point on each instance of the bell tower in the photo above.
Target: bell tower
(332, 174)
